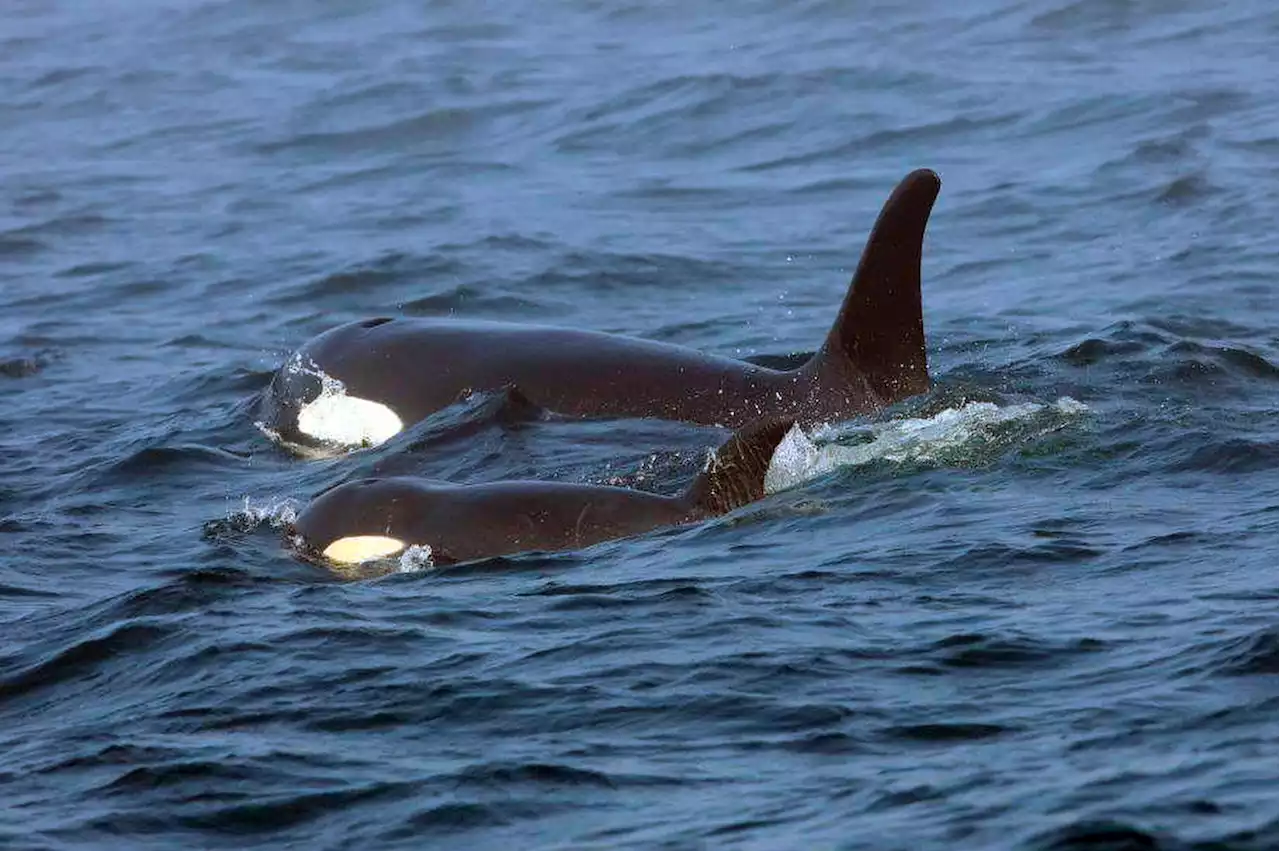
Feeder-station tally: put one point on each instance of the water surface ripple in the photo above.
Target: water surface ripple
(1054, 638)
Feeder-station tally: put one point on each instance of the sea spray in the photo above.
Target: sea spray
(969, 434)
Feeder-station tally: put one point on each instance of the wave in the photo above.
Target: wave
(971, 435)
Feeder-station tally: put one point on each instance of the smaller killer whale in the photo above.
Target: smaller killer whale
(368, 519)
(361, 383)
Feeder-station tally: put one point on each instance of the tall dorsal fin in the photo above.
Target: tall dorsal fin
(880, 329)
(734, 475)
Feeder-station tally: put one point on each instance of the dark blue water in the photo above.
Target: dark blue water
(1060, 638)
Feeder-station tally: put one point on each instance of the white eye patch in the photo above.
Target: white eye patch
(361, 548)
(348, 420)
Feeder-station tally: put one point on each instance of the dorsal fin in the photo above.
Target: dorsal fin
(734, 475)
(880, 329)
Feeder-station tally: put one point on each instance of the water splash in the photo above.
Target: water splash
(251, 516)
(276, 513)
(416, 559)
(972, 433)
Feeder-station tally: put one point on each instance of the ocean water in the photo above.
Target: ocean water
(1034, 609)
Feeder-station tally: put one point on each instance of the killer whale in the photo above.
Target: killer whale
(361, 383)
(375, 518)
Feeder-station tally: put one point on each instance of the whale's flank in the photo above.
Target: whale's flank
(370, 519)
(413, 367)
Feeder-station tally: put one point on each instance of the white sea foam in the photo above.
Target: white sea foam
(416, 559)
(969, 431)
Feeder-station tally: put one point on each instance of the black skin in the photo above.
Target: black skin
(468, 522)
(874, 355)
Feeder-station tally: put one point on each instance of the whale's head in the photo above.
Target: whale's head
(312, 413)
(361, 521)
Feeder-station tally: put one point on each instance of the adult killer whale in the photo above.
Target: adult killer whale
(361, 383)
(376, 518)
